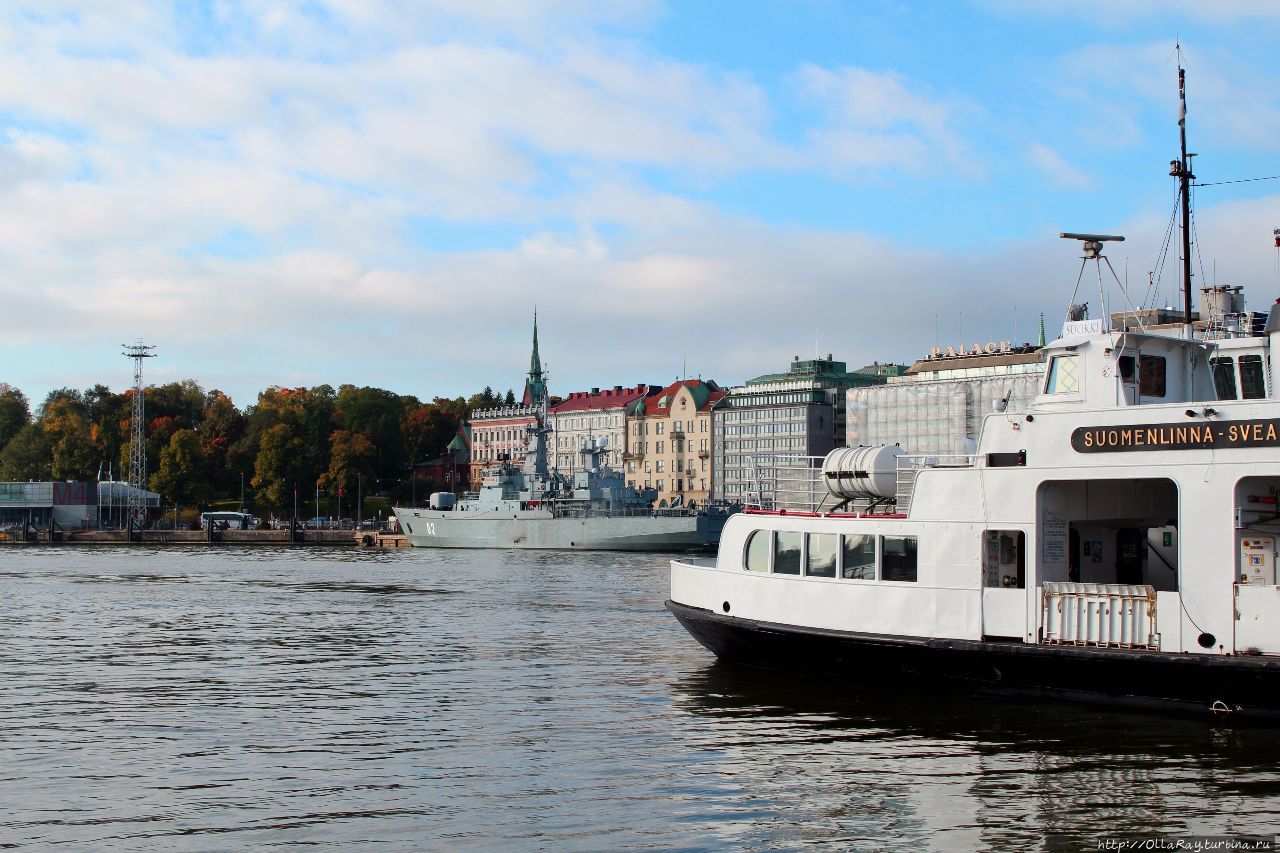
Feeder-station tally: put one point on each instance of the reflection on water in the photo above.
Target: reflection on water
(221, 698)
(967, 772)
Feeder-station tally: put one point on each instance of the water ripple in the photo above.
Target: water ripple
(206, 698)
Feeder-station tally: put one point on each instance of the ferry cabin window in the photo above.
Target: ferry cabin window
(898, 558)
(786, 552)
(757, 552)
(1151, 376)
(1224, 377)
(859, 557)
(1252, 384)
(1064, 377)
(821, 562)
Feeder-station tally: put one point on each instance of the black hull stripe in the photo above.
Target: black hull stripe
(1238, 685)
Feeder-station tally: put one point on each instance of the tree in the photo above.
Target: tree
(74, 457)
(15, 413)
(510, 399)
(108, 415)
(183, 401)
(428, 429)
(378, 415)
(27, 456)
(74, 454)
(486, 399)
(280, 465)
(222, 427)
(352, 459)
(183, 475)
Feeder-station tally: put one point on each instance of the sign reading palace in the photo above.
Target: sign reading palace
(1178, 436)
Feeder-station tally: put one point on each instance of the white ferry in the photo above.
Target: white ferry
(1116, 541)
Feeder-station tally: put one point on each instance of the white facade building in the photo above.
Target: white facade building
(585, 417)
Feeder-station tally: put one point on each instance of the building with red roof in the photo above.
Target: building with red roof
(586, 417)
(669, 442)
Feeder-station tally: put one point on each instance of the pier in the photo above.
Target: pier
(277, 538)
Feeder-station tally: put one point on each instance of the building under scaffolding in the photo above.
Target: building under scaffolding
(939, 404)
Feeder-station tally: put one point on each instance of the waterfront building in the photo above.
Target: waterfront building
(450, 469)
(496, 434)
(800, 412)
(585, 417)
(938, 404)
(669, 442)
(70, 505)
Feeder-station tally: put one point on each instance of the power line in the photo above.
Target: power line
(1219, 183)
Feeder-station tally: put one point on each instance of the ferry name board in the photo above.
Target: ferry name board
(1226, 435)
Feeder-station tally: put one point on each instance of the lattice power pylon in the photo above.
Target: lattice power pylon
(137, 504)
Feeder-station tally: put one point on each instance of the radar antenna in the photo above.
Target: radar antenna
(1091, 245)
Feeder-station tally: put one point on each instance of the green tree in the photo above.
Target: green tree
(486, 399)
(183, 401)
(280, 466)
(183, 474)
(222, 428)
(15, 413)
(108, 417)
(28, 455)
(353, 458)
(74, 454)
(74, 457)
(377, 414)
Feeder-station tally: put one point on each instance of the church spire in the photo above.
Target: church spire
(535, 387)
(535, 362)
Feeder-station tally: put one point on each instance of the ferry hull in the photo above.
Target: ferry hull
(541, 531)
(1235, 686)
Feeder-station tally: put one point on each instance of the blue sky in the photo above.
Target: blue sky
(379, 192)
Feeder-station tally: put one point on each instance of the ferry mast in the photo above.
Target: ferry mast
(1181, 169)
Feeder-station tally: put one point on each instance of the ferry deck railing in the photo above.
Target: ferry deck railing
(1100, 615)
(786, 482)
(561, 510)
(910, 466)
(795, 483)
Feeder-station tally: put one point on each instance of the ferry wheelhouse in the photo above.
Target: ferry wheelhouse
(1116, 541)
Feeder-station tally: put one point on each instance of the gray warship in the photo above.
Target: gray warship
(527, 506)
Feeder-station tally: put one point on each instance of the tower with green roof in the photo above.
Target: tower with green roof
(535, 387)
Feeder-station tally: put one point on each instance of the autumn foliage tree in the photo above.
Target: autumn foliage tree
(199, 444)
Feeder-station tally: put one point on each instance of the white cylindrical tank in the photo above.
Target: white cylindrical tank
(862, 472)
(443, 500)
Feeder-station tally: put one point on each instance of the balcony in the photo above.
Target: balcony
(632, 455)
(677, 432)
(704, 454)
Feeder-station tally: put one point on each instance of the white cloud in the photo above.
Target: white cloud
(1093, 11)
(1230, 101)
(881, 121)
(136, 154)
(1057, 169)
